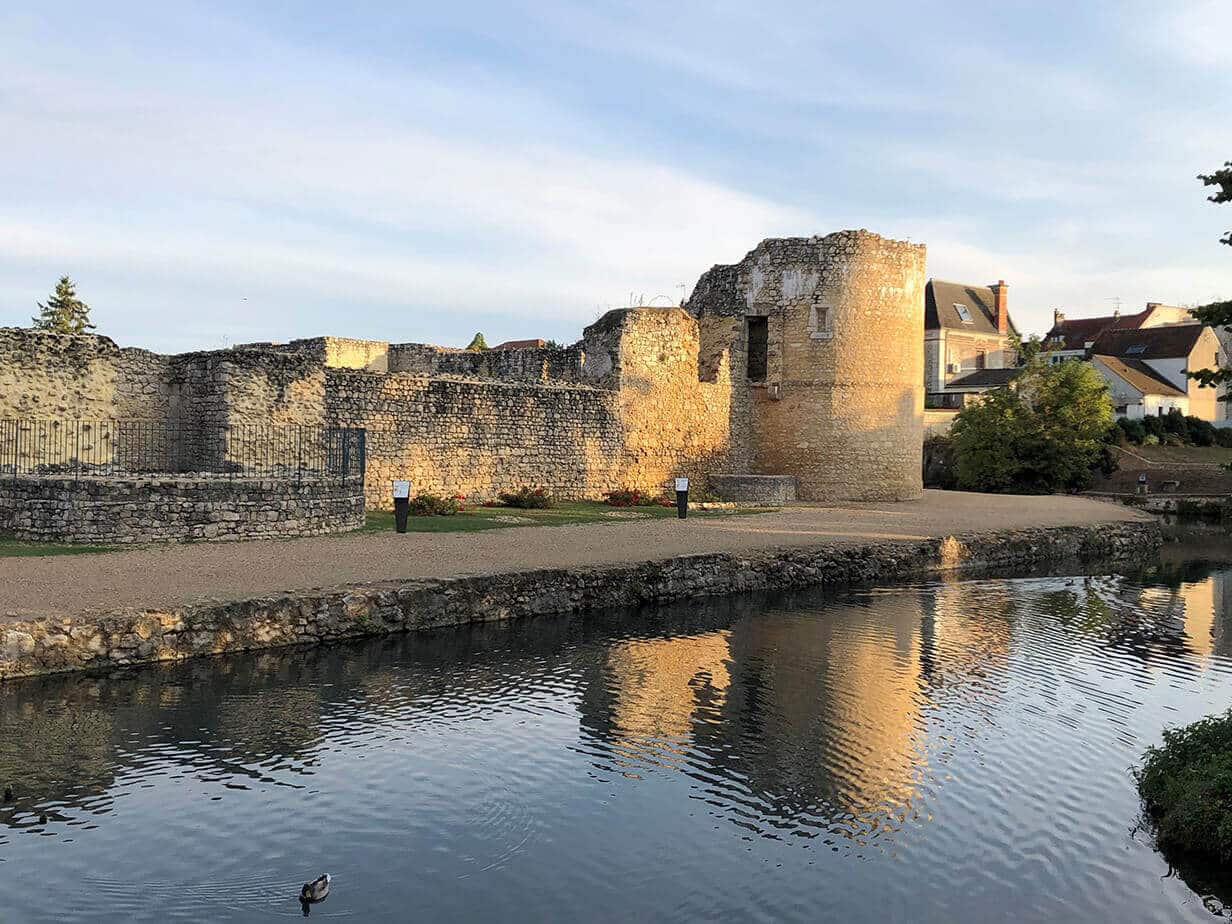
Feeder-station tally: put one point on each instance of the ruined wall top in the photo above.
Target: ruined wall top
(732, 289)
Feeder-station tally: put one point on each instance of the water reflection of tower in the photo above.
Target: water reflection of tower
(813, 717)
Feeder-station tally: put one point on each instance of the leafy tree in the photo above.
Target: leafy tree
(477, 343)
(1216, 314)
(1026, 350)
(64, 311)
(1045, 433)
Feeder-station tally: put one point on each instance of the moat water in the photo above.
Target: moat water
(955, 751)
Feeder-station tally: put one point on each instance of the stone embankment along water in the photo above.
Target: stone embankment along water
(49, 645)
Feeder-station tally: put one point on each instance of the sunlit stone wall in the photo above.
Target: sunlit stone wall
(841, 404)
(646, 395)
(637, 416)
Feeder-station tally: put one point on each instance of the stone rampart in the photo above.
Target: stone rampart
(825, 336)
(119, 510)
(804, 359)
(538, 364)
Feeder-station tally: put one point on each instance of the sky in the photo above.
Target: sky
(221, 172)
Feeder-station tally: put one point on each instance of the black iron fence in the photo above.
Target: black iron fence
(100, 448)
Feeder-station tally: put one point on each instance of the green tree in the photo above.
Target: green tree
(1045, 433)
(477, 343)
(1026, 350)
(1216, 314)
(64, 311)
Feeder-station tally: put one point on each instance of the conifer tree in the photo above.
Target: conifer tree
(64, 312)
(477, 343)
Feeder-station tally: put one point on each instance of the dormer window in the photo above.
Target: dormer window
(1135, 349)
(964, 314)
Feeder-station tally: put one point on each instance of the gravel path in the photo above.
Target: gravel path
(165, 576)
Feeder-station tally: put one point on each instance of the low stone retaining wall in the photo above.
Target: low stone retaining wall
(762, 490)
(120, 510)
(41, 646)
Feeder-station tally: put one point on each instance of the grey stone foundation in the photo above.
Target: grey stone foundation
(48, 645)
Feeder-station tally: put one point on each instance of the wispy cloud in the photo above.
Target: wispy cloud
(524, 166)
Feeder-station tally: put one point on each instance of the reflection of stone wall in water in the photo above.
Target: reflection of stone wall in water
(646, 395)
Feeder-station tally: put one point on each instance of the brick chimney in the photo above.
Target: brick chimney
(1000, 300)
(1057, 316)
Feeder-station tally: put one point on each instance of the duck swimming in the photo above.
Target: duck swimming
(315, 891)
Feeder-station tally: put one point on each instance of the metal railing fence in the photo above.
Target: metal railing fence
(98, 448)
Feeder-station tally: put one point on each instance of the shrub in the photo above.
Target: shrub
(433, 505)
(1223, 437)
(1045, 434)
(1150, 440)
(1154, 427)
(528, 499)
(1134, 430)
(1173, 439)
(1174, 422)
(628, 497)
(1201, 432)
(1186, 788)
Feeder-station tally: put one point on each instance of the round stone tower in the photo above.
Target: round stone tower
(826, 343)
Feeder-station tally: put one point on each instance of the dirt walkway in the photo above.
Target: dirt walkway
(169, 575)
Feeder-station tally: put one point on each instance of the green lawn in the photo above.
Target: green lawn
(14, 548)
(475, 518)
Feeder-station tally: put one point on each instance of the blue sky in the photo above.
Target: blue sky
(220, 172)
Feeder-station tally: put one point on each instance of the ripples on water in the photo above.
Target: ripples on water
(945, 752)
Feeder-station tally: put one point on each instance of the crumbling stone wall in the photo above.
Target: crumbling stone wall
(642, 418)
(543, 364)
(113, 511)
(646, 395)
(841, 403)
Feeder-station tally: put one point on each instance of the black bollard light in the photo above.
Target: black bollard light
(402, 504)
(682, 497)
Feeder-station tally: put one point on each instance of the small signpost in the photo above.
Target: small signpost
(402, 504)
(682, 497)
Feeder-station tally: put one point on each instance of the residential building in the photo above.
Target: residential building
(1073, 338)
(968, 341)
(1147, 368)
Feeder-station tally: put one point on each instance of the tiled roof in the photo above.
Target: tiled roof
(940, 297)
(1077, 333)
(1140, 376)
(1170, 342)
(985, 378)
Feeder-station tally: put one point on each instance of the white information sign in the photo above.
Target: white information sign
(682, 484)
(402, 489)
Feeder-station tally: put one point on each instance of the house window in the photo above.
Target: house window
(972, 361)
(964, 314)
(1122, 409)
(1135, 349)
(759, 340)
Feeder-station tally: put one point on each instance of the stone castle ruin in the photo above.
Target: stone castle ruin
(804, 361)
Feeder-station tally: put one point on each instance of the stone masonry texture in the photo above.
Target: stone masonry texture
(646, 395)
(117, 510)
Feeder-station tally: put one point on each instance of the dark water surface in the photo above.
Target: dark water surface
(943, 752)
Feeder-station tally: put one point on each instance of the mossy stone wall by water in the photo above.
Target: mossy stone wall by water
(40, 646)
